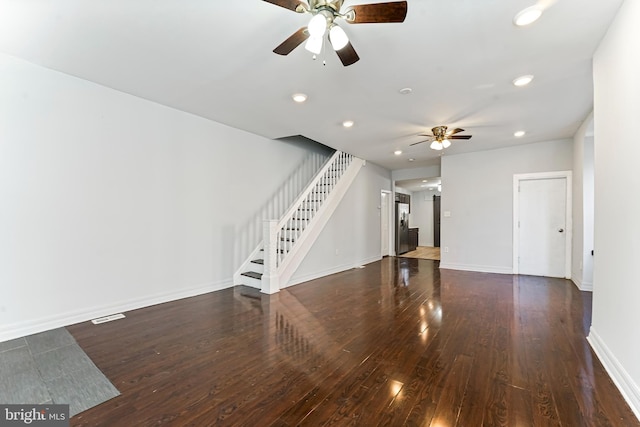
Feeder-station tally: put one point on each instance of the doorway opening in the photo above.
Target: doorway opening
(423, 230)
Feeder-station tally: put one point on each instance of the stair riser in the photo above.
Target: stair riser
(251, 282)
(258, 268)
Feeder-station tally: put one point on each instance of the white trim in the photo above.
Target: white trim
(583, 286)
(390, 204)
(478, 268)
(330, 271)
(628, 388)
(517, 178)
(587, 287)
(21, 329)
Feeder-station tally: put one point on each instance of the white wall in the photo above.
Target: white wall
(477, 189)
(422, 216)
(614, 334)
(415, 173)
(352, 235)
(582, 261)
(110, 202)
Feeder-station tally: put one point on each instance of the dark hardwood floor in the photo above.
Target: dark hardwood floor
(396, 343)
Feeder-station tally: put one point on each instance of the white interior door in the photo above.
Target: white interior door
(543, 227)
(384, 222)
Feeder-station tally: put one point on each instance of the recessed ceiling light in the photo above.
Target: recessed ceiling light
(411, 160)
(347, 123)
(397, 152)
(519, 133)
(424, 180)
(527, 16)
(523, 80)
(299, 97)
(406, 91)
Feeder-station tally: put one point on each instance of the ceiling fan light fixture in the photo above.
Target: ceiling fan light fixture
(436, 145)
(446, 143)
(338, 37)
(317, 26)
(522, 80)
(314, 45)
(527, 16)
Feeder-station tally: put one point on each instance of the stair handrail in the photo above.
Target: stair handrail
(328, 176)
(303, 195)
(283, 238)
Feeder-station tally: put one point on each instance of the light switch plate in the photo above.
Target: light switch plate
(447, 214)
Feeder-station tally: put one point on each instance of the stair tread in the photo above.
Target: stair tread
(258, 261)
(252, 274)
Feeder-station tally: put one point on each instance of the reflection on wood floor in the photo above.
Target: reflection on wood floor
(397, 343)
(423, 252)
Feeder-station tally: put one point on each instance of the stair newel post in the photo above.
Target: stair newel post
(270, 282)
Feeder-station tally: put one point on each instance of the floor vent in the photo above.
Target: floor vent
(106, 319)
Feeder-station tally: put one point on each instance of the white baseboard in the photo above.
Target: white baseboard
(21, 329)
(477, 268)
(587, 287)
(583, 286)
(576, 281)
(628, 388)
(338, 269)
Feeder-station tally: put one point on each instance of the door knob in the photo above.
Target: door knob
(561, 230)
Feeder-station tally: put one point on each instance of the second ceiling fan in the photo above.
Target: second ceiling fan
(325, 13)
(442, 137)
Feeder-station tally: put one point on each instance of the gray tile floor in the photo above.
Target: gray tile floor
(50, 367)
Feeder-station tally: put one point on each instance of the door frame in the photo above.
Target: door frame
(517, 178)
(389, 237)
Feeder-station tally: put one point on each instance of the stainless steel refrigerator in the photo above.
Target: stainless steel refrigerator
(402, 228)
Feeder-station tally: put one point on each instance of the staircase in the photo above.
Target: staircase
(287, 240)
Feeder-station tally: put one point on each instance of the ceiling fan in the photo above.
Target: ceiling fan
(323, 22)
(441, 137)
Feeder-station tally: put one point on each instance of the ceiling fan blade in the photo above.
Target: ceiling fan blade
(377, 12)
(426, 134)
(287, 4)
(454, 131)
(459, 137)
(292, 42)
(348, 55)
(420, 142)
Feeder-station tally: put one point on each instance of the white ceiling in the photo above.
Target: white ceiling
(214, 59)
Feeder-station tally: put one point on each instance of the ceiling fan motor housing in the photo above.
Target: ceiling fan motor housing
(439, 132)
(319, 4)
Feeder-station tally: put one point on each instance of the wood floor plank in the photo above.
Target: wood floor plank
(398, 343)
(451, 399)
